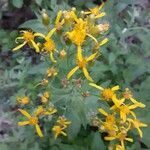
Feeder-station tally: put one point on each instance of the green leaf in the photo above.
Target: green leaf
(17, 3)
(97, 142)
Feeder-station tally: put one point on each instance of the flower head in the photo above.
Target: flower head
(27, 38)
(51, 72)
(24, 100)
(31, 120)
(82, 64)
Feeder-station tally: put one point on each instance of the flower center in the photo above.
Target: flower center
(107, 94)
(58, 129)
(110, 119)
(127, 94)
(81, 63)
(49, 45)
(125, 109)
(33, 120)
(95, 10)
(28, 36)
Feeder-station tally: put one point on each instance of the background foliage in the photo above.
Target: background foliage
(124, 61)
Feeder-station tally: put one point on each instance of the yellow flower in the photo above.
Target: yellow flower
(121, 136)
(50, 111)
(58, 130)
(107, 93)
(127, 94)
(63, 121)
(45, 97)
(24, 100)
(32, 120)
(79, 32)
(58, 23)
(82, 63)
(137, 124)
(110, 123)
(28, 38)
(96, 11)
(49, 45)
(51, 72)
(62, 54)
(101, 43)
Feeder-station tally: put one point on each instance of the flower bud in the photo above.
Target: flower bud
(45, 18)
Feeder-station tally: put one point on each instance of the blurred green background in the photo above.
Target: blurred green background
(125, 59)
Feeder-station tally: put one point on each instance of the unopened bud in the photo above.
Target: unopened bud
(45, 18)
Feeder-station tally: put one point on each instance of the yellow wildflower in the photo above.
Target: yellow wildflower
(107, 93)
(79, 32)
(121, 136)
(58, 130)
(137, 124)
(127, 94)
(49, 45)
(50, 111)
(81, 64)
(96, 11)
(32, 120)
(45, 97)
(63, 121)
(119, 147)
(28, 38)
(24, 100)
(51, 72)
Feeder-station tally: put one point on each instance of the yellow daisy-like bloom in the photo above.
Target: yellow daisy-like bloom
(79, 32)
(58, 130)
(28, 38)
(121, 136)
(107, 93)
(96, 11)
(110, 123)
(58, 23)
(45, 97)
(81, 64)
(24, 100)
(49, 45)
(50, 111)
(32, 120)
(137, 124)
(127, 94)
(63, 121)
(51, 72)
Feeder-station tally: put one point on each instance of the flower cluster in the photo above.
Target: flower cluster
(79, 29)
(120, 119)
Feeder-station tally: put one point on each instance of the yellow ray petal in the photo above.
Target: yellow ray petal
(91, 57)
(63, 133)
(140, 132)
(50, 33)
(96, 86)
(79, 53)
(19, 46)
(103, 42)
(38, 130)
(72, 72)
(52, 57)
(133, 114)
(129, 139)
(101, 6)
(92, 37)
(102, 111)
(115, 88)
(40, 35)
(35, 46)
(87, 74)
(58, 17)
(25, 113)
(136, 102)
(100, 15)
(23, 123)
(18, 38)
(107, 138)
